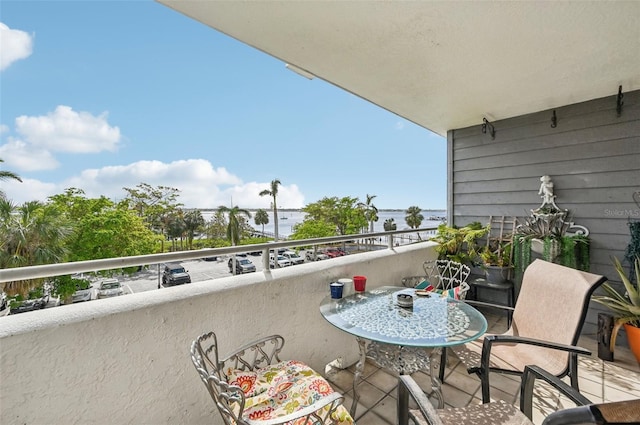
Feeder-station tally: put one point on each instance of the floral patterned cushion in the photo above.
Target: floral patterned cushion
(281, 389)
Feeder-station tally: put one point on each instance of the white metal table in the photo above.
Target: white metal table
(433, 323)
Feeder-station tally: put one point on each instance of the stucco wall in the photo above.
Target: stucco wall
(126, 360)
(592, 156)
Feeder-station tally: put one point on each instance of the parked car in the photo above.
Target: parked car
(38, 299)
(30, 305)
(243, 265)
(319, 255)
(282, 261)
(83, 293)
(110, 288)
(334, 252)
(175, 274)
(293, 257)
(4, 305)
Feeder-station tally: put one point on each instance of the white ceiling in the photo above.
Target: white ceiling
(445, 64)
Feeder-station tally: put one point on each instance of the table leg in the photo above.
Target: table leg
(403, 404)
(362, 345)
(434, 366)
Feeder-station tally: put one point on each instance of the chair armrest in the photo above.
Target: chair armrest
(334, 400)
(531, 373)
(485, 304)
(510, 339)
(259, 353)
(421, 399)
(412, 281)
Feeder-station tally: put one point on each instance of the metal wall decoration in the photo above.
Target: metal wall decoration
(619, 101)
(487, 125)
(548, 217)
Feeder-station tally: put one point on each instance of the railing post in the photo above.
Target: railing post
(390, 242)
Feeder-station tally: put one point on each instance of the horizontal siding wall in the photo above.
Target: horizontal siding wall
(592, 156)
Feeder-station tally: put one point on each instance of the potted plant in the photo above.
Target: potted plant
(496, 261)
(625, 306)
(459, 244)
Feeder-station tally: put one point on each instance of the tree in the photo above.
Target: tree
(414, 217)
(261, 218)
(234, 228)
(193, 223)
(6, 175)
(217, 226)
(370, 211)
(273, 192)
(31, 234)
(155, 205)
(101, 228)
(389, 225)
(342, 213)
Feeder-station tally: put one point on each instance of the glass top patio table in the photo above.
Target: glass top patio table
(433, 321)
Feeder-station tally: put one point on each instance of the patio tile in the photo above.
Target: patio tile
(386, 409)
(369, 395)
(341, 380)
(371, 418)
(383, 380)
(453, 397)
(470, 384)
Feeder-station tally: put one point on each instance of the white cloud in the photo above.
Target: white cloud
(14, 45)
(200, 184)
(65, 130)
(4, 128)
(400, 125)
(25, 157)
(28, 190)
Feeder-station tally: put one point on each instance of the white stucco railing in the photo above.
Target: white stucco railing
(126, 359)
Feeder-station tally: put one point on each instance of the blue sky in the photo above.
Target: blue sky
(101, 95)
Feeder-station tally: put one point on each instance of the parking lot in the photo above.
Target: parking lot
(149, 278)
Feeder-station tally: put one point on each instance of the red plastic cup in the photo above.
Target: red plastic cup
(359, 283)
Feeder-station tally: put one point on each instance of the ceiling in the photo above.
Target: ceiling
(445, 64)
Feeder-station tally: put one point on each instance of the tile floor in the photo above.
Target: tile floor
(599, 381)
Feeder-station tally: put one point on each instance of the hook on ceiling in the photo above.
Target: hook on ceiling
(487, 125)
(619, 101)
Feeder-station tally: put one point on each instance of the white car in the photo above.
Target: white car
(282, 261)
(110, 288)
(82, 294)
(317, 257)
(293, 257)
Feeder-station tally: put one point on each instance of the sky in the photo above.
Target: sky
(103, 95)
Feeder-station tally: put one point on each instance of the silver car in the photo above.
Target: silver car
(110, 288)
(82, 295)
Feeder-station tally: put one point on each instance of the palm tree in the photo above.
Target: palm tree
(389, 225)
(5, 175)
(31, 234)
(261, 218)
(193, 223)
(234, 229)
(414, 217)
(273, 193)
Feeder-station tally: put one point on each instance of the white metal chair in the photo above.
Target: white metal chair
(252, 386)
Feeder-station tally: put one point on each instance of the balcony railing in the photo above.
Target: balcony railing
(125, 359)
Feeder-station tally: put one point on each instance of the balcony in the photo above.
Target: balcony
(125, 360)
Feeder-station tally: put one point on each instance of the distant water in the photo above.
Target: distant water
(287, 219)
